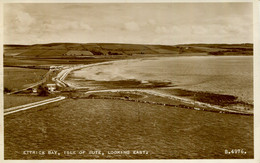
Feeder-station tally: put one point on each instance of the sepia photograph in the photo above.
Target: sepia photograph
(129, 80)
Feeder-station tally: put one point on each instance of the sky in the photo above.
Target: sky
(141, 23)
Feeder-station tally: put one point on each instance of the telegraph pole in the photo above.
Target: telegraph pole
(194, 95)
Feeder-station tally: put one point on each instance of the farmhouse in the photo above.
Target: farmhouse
(51, 87)
(34, 90)
(56, 67)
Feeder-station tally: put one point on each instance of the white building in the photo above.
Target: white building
(56, 67)
(51, 87)
(34, 90)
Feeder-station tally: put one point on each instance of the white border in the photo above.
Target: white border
(256, 33)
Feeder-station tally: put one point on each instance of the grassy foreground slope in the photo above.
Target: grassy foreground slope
(108, 125)
(99, 49)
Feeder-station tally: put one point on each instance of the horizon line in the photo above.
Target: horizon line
(121, 43)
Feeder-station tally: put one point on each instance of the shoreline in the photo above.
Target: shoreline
(64, 74)
(185, 103)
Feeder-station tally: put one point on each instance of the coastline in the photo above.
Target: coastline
(182, 102)
(243, 108)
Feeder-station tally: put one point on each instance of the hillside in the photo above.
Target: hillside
(99, 49)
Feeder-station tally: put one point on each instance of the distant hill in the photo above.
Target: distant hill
(89, 49)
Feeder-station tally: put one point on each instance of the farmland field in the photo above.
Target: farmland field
(18, 78)
(108, 125)
(16, 100)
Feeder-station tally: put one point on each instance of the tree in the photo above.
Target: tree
(216, 53)
(97, 52)
(42, 91)
(7, 90)
(181, 50)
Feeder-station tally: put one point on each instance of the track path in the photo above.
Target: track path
(31, 105)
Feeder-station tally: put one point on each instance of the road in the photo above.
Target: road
(60, 78)
(165, 95)
(31, 105)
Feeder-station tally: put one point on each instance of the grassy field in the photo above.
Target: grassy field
(18, 78)
(65, 60)
(108, 125)
(16, 100)
(59, 49)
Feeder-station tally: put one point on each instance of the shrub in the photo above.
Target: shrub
(216, 53)
(43, 91)
(7, 90)
(96, 52)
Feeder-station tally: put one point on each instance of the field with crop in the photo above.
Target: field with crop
(103, 49)
(108, 125)
(17, 100)
(18, 78)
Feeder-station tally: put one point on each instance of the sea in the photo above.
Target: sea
(229, 75)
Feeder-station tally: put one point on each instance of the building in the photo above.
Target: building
(51, 87)
(34, 90)
(56, 67)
